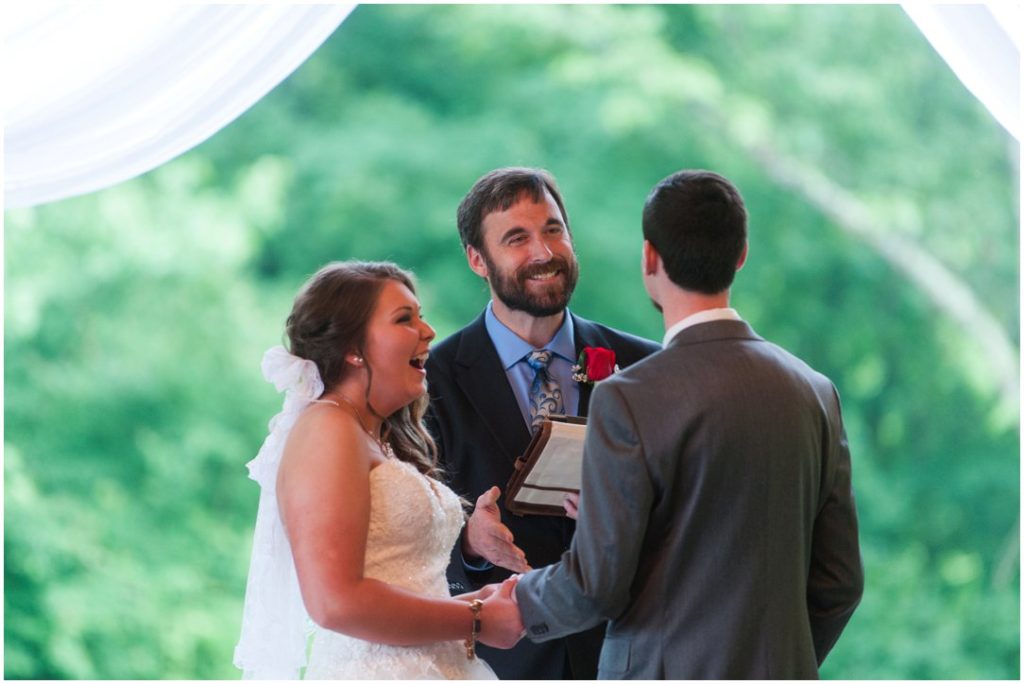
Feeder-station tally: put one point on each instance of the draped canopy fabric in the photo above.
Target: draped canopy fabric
(981, 44)
(97, 93)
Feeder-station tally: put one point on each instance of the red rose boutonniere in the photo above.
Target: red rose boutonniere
(594, 365)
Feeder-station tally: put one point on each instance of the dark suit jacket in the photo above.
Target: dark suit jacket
(717, 530)
(480, 432)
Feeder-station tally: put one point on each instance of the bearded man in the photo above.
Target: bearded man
(494, 380)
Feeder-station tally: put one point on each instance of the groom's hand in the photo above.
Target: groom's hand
(488, 538)
(501, 624)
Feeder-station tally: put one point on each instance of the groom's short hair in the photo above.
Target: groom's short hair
(499, 190)
(697, 222)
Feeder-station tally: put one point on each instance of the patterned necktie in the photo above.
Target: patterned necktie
(545, 394)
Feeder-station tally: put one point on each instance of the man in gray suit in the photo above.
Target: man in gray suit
(716, 529)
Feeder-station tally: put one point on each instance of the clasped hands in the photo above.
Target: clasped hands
(501, 625)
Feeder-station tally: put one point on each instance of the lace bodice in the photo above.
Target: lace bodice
(414, 523)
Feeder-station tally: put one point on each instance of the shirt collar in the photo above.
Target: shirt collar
(512, 349)
(724, 314)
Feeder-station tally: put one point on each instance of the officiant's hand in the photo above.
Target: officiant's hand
(488, 538)
(572, 505)
(501, 625)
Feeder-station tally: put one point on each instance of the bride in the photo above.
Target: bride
(354, 528)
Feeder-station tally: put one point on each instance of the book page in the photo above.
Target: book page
(558, 470)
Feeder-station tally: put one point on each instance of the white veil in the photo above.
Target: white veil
(275, 624)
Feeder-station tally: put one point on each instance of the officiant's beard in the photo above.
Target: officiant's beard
(512, 290)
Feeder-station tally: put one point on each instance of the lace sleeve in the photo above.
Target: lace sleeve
(275, 625)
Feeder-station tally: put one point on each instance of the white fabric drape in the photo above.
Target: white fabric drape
(97, 93)
(981, 44)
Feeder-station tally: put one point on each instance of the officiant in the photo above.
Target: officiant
(495, 379)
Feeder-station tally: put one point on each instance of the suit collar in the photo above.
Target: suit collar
(512, 349)
(470, 347)
(480, 374)
(712, 331)
(703, 316)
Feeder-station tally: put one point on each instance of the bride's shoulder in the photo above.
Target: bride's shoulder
(324, 415)
(323, 432)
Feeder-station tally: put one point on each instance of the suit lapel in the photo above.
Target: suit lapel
(480, 375)
(586, 334)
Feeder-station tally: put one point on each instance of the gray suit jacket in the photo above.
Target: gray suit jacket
(717, 530)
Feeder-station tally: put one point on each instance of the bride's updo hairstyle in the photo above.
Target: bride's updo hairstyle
(329, 320)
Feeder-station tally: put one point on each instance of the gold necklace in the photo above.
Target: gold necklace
(385, 448)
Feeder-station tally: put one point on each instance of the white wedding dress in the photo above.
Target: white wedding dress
(414, 522)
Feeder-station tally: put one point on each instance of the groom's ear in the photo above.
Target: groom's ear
(743, 256)
(476, 260)
(651, 260)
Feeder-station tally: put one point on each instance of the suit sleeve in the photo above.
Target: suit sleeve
(836, 578)
(591, 582)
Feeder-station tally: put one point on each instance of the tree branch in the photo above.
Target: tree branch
(947, 291)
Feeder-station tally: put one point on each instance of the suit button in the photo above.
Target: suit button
(539, 629)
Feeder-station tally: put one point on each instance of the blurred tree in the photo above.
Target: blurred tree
(135, 317)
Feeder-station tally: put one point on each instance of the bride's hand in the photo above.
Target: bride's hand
(501, 625)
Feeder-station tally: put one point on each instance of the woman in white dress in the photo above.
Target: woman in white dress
(354, 528)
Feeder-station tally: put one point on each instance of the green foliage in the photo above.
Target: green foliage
(136, 316)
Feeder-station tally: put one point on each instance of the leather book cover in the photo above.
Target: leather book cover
(550, 468)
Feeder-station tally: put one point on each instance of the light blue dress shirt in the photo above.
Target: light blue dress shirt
(513, 350)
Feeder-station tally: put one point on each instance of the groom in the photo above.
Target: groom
(716, 523)
(485, 384)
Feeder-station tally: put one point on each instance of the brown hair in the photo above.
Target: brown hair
(329, 320)
(698, 223)
(499, 190)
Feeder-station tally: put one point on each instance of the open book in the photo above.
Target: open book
(551, 467)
